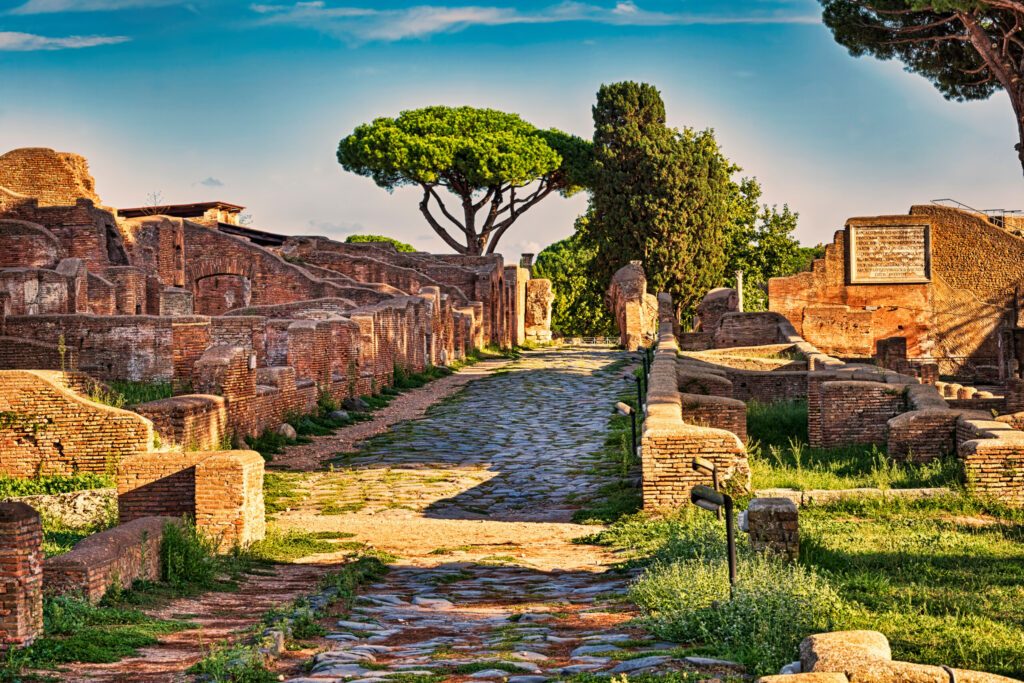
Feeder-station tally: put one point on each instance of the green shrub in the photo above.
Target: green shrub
(776, 604)
(233, 664)
(133, 393)
(187, 556)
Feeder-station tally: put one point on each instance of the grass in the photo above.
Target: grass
(780, 457)
(126, 393)
(942, 578)
(282, 491)
(618, 497)
(288, 546)
(11, 487)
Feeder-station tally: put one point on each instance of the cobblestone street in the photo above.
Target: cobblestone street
(476, 500)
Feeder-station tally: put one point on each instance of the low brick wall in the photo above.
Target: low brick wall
(194, 422)
(992, 453)
(46, 428)
(113, 558)
(669, 444)
(222, 491)
(21, 575)
(706, 383)
(851, 411)
(717, 412)
(768, 386)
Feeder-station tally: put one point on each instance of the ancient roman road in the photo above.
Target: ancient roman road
(476, 499)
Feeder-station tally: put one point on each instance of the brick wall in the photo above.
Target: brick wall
(194, 422)
(669, 444)
(855, 412)
(21, 575)
(113, 558)
(747, 329)
(716, 411)
(48, 429)
(27, 245)
(774, 527)
(222, 491)
(634, 310)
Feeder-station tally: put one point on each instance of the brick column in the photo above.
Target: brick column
(21, 575)
(774, 526)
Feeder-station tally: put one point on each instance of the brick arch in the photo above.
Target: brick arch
(200, 269)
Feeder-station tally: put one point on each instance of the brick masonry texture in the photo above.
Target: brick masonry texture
(975, 267)
(221, 490)
(669, 444)
(45, 428)
(21, 575)
(116, 557)
(635, 310)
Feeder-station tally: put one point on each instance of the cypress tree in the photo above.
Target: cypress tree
(658, 195)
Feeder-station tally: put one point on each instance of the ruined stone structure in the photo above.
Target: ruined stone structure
(246, 325)
(773, 525)
(258, 324)
(634, 309)
(942, 278)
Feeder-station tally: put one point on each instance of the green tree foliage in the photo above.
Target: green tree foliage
(760, 243)
(496, 164)
(400, 246)
(579, 309)
(968, 49)
(659, 195)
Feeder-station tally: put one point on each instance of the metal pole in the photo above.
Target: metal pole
(639, 395)
(730, 539)
(632, 420)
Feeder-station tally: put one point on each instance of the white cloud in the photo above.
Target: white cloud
(52, 6)
(357, 24)
(28, 42)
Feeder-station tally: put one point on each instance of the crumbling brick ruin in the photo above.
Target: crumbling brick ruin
(634, 309)
(247, 326)
(943, 279)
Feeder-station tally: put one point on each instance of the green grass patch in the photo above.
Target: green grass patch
(780, 457)
(125, 393)
(288, 546)
(619, 462)
(11, 487)
(282, 490)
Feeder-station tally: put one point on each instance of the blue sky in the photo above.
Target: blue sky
(246, 101)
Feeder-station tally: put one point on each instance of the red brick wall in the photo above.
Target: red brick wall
(853, 412)
(222, 491)
(27, 245)
(194, 421)
(715, 411)
(113, 558)
(21, 575)
(669, 445)
(48, 429)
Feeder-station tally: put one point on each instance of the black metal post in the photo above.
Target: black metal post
(730, 540)
(632, 421)
(639, 395)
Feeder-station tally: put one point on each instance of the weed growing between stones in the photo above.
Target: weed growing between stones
(245, 662)
(288, 546)
(620, 496)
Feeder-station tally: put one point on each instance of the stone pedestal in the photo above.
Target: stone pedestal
(773, 525)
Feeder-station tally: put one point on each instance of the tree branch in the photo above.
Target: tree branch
(438, 228)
